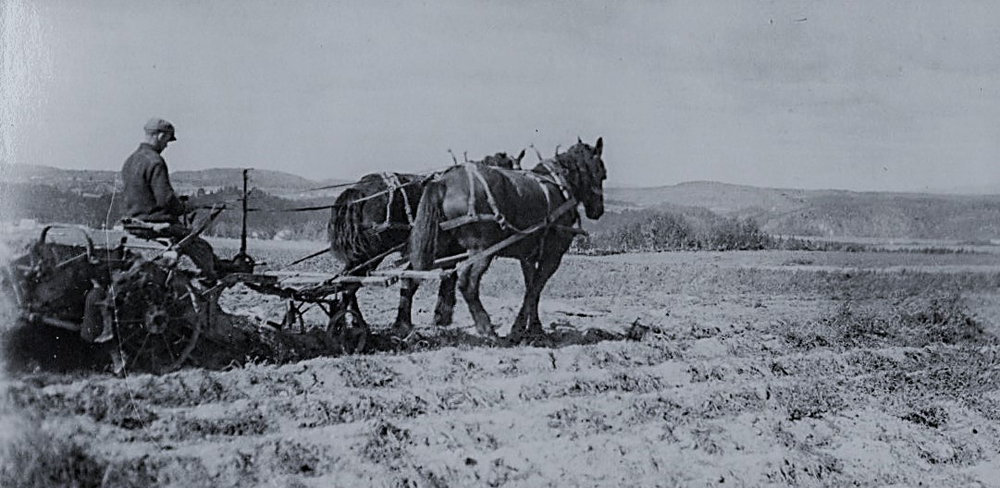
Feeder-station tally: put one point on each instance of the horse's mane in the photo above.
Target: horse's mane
(350, 234)
(564, 161)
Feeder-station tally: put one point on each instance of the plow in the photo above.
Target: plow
(137, 301)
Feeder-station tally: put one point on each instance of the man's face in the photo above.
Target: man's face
(163, 139)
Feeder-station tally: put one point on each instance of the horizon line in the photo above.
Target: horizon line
(986, 190)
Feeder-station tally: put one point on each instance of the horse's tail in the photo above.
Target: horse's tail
(424, 235)
(349, 238)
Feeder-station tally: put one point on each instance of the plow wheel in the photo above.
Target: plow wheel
(159, 320)
(347, 331)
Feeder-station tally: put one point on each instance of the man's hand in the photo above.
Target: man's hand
(188, 208)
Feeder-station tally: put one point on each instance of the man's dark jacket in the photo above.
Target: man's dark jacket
(148, 193)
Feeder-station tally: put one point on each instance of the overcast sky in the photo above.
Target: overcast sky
(866, 95)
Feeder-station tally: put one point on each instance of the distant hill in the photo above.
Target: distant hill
(891, 215)
(718, 197)
(80, 181)
(97, 181)
(260, 178)
(837, 213)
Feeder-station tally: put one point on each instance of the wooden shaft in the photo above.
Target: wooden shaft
(243, 231)
(62, 324)
(490, 251)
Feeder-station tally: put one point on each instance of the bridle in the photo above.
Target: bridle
(559, 172)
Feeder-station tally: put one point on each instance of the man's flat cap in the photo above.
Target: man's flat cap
(156, 124)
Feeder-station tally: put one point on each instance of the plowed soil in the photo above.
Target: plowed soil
(700, 369)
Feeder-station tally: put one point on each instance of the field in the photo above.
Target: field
(721, 369)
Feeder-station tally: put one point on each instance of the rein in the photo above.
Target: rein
(325, 207)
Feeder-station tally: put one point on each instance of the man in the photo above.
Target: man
(149, 196)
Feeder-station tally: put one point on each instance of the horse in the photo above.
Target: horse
(484, 207)
(371, 219)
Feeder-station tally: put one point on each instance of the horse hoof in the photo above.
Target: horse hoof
(514, 339)
(353, 340)
(536, 339)
(442, 319)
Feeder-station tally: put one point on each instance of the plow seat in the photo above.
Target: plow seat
(150, 231)
(145, 230)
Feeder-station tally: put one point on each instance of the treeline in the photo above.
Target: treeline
(47, 204)
(270, 217)
(649, 230)
(696, 229)
(887, 216)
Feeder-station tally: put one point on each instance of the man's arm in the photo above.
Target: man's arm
(163, 191)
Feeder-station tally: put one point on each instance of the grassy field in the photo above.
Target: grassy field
(749, 369)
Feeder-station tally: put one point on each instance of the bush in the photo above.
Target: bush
(730, 234)
(662, 231)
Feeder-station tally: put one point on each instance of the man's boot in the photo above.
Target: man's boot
(241, 263)
(117, 362)
(95, 315)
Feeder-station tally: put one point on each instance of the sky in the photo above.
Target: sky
(857, 95)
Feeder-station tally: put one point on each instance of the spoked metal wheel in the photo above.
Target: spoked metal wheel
(159, 320)
(347, 331)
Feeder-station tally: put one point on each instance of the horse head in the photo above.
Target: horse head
(502, 160)
(585, 173)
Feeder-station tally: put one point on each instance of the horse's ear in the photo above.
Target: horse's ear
(599, 147)
(578, 140)
(520, 156)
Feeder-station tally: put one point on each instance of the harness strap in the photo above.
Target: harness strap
(544, 224)
(391, 180)
(560, 181)
(386, 178)
(556, 174)
(545, 189)
(384, 226)
(474, 174)
(489, 195)
(472, 190)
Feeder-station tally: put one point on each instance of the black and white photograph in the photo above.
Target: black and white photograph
(481, 243)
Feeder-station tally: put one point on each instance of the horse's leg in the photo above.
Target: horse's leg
(350, 301)
(529, 270)
(446, 300)
(350, 292)
(547, 266)
(404, 319)
(468, 283)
